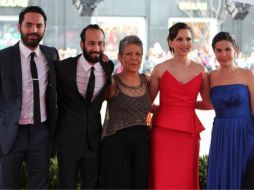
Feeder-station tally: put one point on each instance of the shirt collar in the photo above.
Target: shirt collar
(25, 51)
(86, 65)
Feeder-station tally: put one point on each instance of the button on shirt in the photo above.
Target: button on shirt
(26, 116)
(83, 74)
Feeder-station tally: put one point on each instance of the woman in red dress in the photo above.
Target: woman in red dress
(175, 133)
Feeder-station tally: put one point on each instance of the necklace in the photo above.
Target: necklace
(131, 87)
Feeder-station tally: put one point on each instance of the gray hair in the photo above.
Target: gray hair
(132, 39)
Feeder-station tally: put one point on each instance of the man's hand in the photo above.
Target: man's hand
(105, 58)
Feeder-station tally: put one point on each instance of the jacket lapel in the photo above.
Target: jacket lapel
(74, 69)
(51, 80)
(107, 71)
(106, 68)
(16, 63)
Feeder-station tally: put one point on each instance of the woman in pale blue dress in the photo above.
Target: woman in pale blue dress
(232, 95)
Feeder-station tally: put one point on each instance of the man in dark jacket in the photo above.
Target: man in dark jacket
(82, 81)
(27, 104)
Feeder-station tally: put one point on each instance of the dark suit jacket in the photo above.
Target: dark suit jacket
(78, 124)
(11, 93)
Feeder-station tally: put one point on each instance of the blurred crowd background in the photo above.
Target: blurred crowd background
(149, 19)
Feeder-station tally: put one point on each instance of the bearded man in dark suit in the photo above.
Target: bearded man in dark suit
(81, 82)
(27, 104)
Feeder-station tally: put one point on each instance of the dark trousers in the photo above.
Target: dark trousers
(32, 147)
(75, 166)
(125, 159)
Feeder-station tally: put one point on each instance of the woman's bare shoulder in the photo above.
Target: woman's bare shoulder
(213, 72)
(161, 68)
(198, 67)
(162, 65)
(246, 73)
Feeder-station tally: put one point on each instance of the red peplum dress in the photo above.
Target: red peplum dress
(175, 135)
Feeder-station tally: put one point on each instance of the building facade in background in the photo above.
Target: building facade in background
(149, 19)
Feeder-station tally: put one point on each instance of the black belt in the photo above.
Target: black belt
(43, 124)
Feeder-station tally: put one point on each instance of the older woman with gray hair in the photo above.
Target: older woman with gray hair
(125, 143)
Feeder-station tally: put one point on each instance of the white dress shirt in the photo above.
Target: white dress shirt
(83, 74)
(26, 116)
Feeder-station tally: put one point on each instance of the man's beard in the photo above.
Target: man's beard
(32, 43)
(90, 58)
